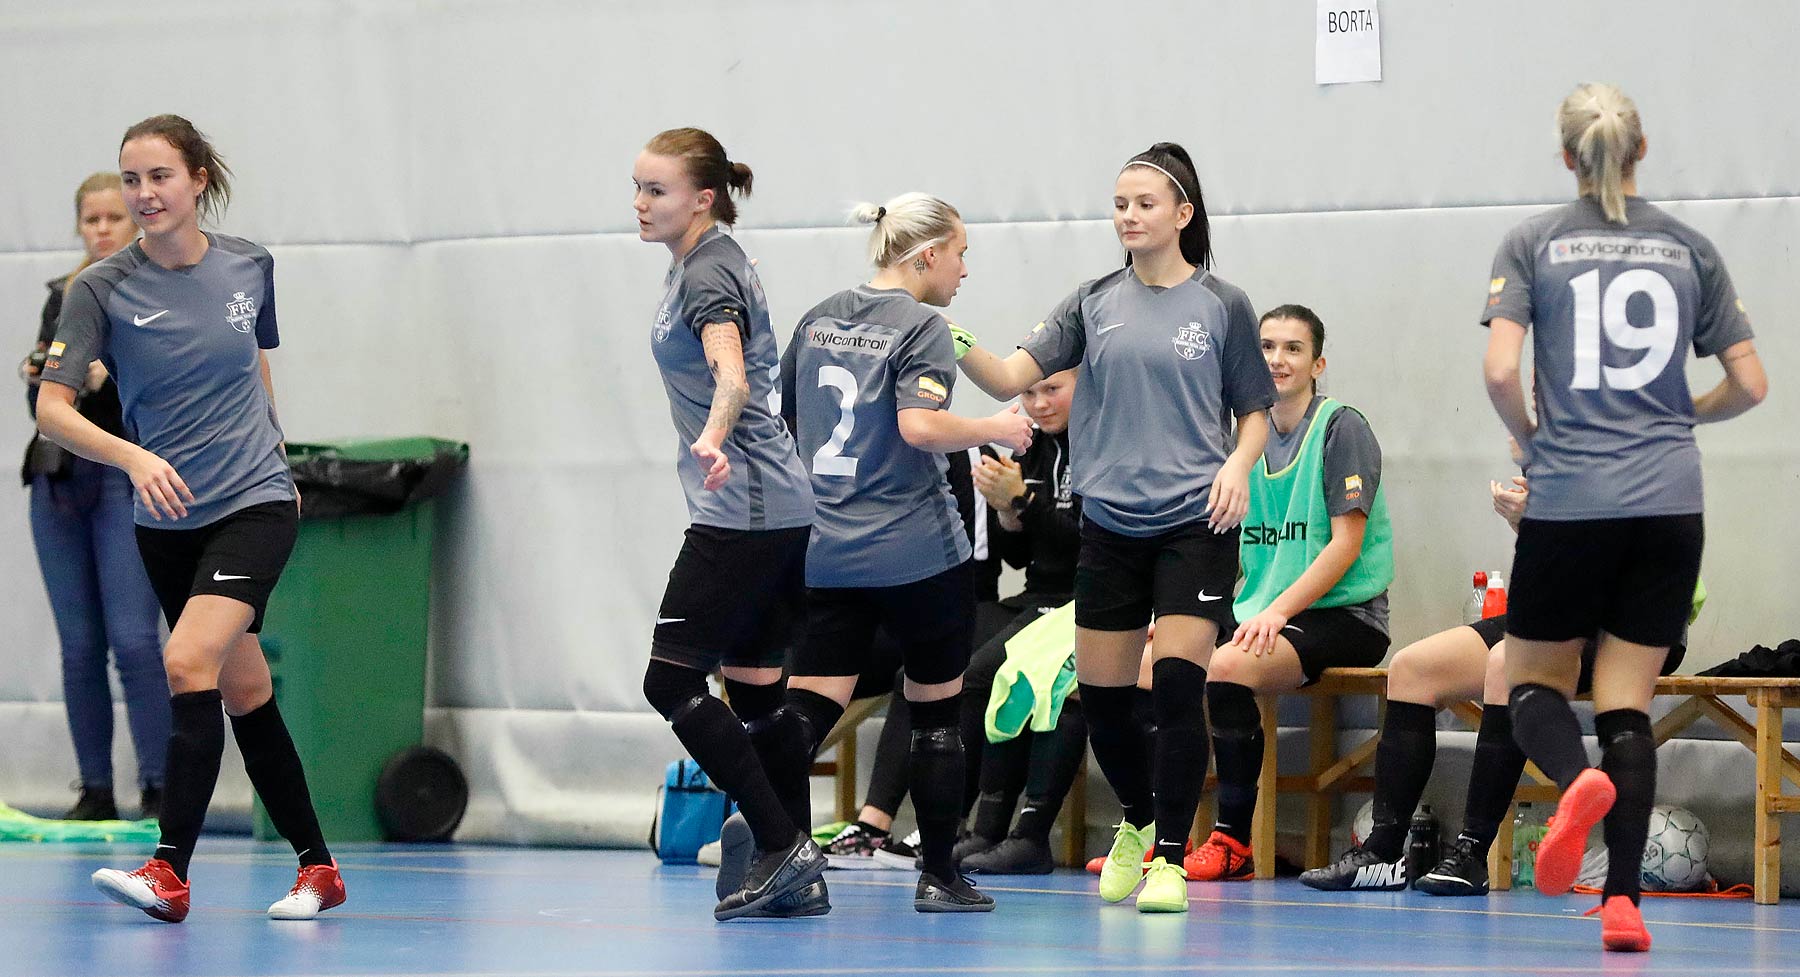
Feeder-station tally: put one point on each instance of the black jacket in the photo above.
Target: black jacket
(1047, 546)
(42, 456)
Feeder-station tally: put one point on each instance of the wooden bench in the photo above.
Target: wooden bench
(1333, 771)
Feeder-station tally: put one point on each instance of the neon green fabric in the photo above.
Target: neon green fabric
(19, 826)
(1289, 525)
(1038, 674)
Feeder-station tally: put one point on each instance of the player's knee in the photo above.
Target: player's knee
(1233, 709)
(673, 689)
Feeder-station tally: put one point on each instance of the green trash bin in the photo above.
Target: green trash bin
(345, 631)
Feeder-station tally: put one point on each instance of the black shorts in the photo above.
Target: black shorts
(1332, 637)
(931, 620)
(1120, 581)
(734, 598)
(240, 556)
(1492, 629)
(1633, 578)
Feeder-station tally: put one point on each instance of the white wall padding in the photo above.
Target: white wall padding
(445, 186)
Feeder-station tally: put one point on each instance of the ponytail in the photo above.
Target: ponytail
(1175, 164)
(707, 166)
(1601, 130)
(905, 226)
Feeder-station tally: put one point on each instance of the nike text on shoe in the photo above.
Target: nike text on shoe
(1358, 868)
(316, 889)
(153, 888)
(952, 895)
(812, 900)
(1463, 872)
(1559, 853)
(773, 875)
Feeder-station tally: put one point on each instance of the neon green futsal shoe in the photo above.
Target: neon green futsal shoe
(1165, 889)
(1124, 866)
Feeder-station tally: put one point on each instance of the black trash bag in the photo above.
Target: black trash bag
(331, 486)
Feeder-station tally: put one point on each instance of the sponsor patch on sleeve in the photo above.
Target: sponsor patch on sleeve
(1038, 328)
(1496, 286)
(932, 390)
(56, 349)
(1353, 487)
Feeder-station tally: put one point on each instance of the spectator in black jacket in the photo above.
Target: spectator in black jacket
(1039, 520)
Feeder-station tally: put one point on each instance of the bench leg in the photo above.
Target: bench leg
(1500, 854)
(845, 783)
(1768, 789)
(1323, 737)
(1262, 823)
(1074, 818)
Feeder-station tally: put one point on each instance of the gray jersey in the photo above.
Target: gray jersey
(886, 514)
(767, 488)
(183, 346)
(1163, 370)
(1611, 308)
(1352, 457)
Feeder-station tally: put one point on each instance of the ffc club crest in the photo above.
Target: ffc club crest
(241, 312)
(1192, 341)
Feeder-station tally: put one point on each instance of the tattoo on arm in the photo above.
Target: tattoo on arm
(725, 358)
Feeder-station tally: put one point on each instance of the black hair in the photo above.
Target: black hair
(1196, 237)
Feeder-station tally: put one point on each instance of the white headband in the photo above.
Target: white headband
(1171, 176)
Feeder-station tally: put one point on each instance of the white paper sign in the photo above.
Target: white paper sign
(1349, 42)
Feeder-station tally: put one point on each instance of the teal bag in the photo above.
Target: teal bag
(690, 811)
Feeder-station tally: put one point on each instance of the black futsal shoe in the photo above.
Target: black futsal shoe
(1358, 869)
(813, 900)
(1463, 872)
(955, 894)
(773, 875)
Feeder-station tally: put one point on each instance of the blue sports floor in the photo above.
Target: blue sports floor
(557, 913)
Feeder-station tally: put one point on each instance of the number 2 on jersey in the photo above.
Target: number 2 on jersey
(1595, 313)
(830, 458)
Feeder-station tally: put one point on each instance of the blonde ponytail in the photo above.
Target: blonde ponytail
(1601, 130)
(905, 226)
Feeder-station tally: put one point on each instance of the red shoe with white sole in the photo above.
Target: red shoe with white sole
(318, 888)
(153, 888)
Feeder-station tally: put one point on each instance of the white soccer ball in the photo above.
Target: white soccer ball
(1363, 823)
(1675, 856)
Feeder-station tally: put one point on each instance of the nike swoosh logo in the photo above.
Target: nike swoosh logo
(1103, 330)
(222, 577)
(670, 620)
(1204, 599)
(1294, 629)
(146, 320)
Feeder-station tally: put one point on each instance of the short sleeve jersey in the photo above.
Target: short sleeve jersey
(1352, 472)
(886, 513)
(1163, 371)
(183, 346)
(1612, 308)
(715, 283)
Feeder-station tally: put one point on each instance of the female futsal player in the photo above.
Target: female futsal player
(733, 596)
(1167, 350)
(868, 377)
(1318, 555)
(1611, 539)
(181, 319)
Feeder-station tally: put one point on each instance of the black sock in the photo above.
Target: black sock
(1004, 767)
(1493, 777)
(754, 702)
(1403, 762)
(1546, 729)
(937, 781)
(275, 771)
(887, 775)
(196, 744)
(1055, 762)
(716, 739)
(972, 724)
(1121, 747)
(1628, 757)
(1238, 741)
(1179, 690)
(786, 742)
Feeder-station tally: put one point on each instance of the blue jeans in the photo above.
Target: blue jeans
(101, 598)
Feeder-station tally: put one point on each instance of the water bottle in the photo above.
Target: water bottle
(1422, 850)
(1493, 601)
(1472, 607)
(1527, 832)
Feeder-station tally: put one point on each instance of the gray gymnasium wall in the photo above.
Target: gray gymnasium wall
(445, 188)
